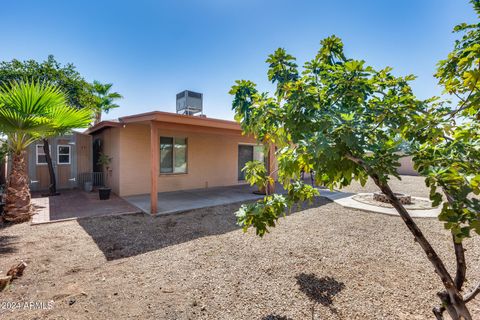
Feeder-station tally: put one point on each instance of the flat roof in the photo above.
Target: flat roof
(167, 117)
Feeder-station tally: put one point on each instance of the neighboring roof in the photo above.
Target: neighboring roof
(79, 132)
(102, 125)
(167, 117)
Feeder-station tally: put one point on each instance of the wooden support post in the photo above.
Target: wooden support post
(154, 165)
(271, 166)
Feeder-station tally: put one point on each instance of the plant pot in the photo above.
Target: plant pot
(88, 186)
(104, 193)
(260, 191)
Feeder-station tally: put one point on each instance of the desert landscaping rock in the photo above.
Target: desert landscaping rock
(4, 282)
(336, 262)
(415, 204)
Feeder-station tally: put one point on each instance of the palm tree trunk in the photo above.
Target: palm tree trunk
(52, 188)
(98, 117)
(18, 207)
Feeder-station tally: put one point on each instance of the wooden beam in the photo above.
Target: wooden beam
(182, 119)
(271, 158)
(199, 129)
(272, 166)
(154, 165)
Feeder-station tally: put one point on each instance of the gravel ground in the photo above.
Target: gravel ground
(333, 262)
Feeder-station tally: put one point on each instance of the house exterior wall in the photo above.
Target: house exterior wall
(84, 152)
(135, 160)
(406, 167)
(211, 159)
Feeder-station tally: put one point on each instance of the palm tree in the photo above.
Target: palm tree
(30, 111)
(104, 99)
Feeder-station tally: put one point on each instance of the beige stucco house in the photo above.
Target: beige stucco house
(161, 151)
(154, 152)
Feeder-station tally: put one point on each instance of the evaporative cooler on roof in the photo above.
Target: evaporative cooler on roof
(189, 102)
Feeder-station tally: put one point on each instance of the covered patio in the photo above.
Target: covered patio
(201, 133)
(156, 155)
(185, 200)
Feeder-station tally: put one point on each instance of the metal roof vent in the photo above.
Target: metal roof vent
(189, 102)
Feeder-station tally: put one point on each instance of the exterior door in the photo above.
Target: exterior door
(62, 163)
(245, 154)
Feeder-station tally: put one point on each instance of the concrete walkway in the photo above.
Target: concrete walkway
(180, 201)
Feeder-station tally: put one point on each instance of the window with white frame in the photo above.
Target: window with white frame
(40, 154)
(173, 155)
(63, 154)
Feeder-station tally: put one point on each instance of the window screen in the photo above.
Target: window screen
(173, 155)
(180, 155)
(166, 154)
(41, 157)
(63, 154)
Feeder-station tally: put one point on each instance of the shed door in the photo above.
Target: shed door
(245, 154)
(62, 162)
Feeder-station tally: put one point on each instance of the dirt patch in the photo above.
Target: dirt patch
(329, 261)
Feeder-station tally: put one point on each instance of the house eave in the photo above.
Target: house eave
(168, 117)
(102, 125)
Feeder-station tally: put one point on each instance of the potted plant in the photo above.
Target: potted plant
(104, 161)
(2, 198)
(257, 174)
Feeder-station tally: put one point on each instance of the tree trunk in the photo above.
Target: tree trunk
(453, 302)
(459, 254)
(461, 264)
(52, 187)
(18, 207)
(98, 117)
(452, 299)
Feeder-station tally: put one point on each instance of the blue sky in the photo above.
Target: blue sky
(151, 50)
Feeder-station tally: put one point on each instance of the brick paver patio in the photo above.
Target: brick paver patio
(73, 204)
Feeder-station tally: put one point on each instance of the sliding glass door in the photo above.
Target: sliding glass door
(247, 153)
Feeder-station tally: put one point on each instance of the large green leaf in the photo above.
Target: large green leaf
(33, 110)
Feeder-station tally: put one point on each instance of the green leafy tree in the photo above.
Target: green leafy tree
(448, 153)
(30, 111)
(66, 77)
(257, 174)
(346, 121)
(104, 99)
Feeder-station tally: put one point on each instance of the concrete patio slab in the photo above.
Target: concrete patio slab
(75, 204)
(180, 201)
